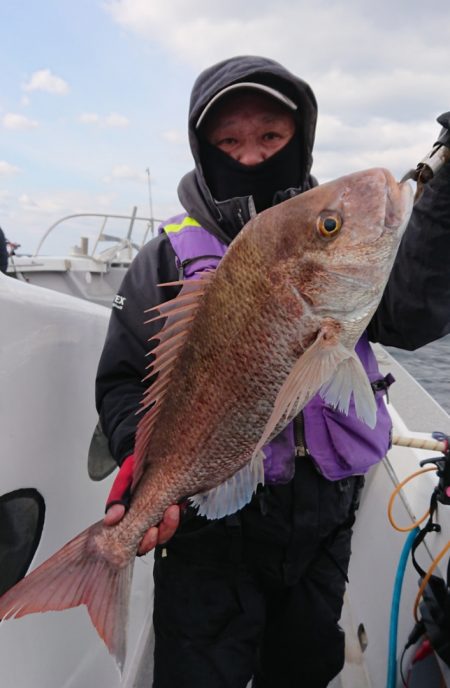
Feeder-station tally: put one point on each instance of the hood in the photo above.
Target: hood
(193, 191)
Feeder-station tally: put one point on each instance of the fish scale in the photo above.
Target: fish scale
(241, 352)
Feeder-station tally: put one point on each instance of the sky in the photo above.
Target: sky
(94, 94)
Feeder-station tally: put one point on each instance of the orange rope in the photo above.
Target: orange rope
(427, 577)
(441, 554)
(403, 529)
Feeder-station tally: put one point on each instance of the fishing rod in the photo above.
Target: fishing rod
(433, 161)
(439, 445)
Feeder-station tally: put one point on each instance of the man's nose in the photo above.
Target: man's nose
(251, 155)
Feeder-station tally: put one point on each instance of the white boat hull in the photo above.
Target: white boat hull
(50, 346)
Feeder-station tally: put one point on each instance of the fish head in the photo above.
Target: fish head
(338, 241)
(368, 206)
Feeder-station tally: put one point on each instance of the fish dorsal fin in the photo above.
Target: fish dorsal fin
(179, 313)
(329, 367)
(234, 493)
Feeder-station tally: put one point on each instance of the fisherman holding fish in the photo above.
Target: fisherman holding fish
(259, 593)
(263, 406)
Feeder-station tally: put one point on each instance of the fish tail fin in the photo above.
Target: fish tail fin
(78, 574)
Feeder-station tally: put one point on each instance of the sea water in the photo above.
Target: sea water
(430, 366)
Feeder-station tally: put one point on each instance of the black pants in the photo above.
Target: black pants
(258, 595)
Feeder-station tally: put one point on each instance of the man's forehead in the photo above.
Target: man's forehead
(242, 103)
(246, 86)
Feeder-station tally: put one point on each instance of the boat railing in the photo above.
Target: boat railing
(121, 244)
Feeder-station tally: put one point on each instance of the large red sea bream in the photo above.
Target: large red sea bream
(242, 350)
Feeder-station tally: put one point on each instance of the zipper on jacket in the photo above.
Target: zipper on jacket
(299, 435)
(188, 261)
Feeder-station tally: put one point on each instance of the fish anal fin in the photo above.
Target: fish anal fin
(234, 493)
(78, 574)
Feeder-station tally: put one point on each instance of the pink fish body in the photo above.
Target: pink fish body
(241, 352)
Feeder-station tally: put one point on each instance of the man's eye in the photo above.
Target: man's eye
(226, 142)
(271, 136)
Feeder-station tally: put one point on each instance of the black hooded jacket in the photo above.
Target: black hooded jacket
(193, 192)
(415, 308)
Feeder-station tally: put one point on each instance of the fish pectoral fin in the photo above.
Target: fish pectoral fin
(312, 370)
(349, 377)
(234, 493)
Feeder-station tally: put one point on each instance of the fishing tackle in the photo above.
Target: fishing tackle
(433, 161)
(433, 596)
(442, 464)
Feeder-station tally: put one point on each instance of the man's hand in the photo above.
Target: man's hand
(119, 500)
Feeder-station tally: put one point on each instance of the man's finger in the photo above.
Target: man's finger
(149, 541)
(162, 533)
(154, 535)
(114, 514)
(169, 524)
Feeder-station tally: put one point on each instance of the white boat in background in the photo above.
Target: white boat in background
(91, 269)
(50, 346)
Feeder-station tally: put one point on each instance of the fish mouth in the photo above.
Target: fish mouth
(382, 200)
(399, 202)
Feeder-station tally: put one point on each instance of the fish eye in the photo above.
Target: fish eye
(329, 224)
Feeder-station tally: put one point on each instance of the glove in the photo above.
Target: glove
(120, 492)
(444, 136)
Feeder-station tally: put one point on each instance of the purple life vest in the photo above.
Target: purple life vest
(340, 445)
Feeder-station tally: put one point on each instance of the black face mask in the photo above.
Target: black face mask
(228, 178)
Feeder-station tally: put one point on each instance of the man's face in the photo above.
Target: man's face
(250, 127)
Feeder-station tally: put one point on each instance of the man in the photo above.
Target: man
(3, 252)
(259, 593)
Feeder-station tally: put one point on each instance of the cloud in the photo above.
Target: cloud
(212, 32)
(125, 173)
(111, 120)
(335, 134)
(379, 71)
(60, 203)
(174, 136)
(6, 169)
(12, 120)
(89, 118)
(403, 93)
(115, 120)
(357, 55)
(5, 197)
(316, 35)
(41, 205)
(44, 80)
(28, 215)
(377, 141)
